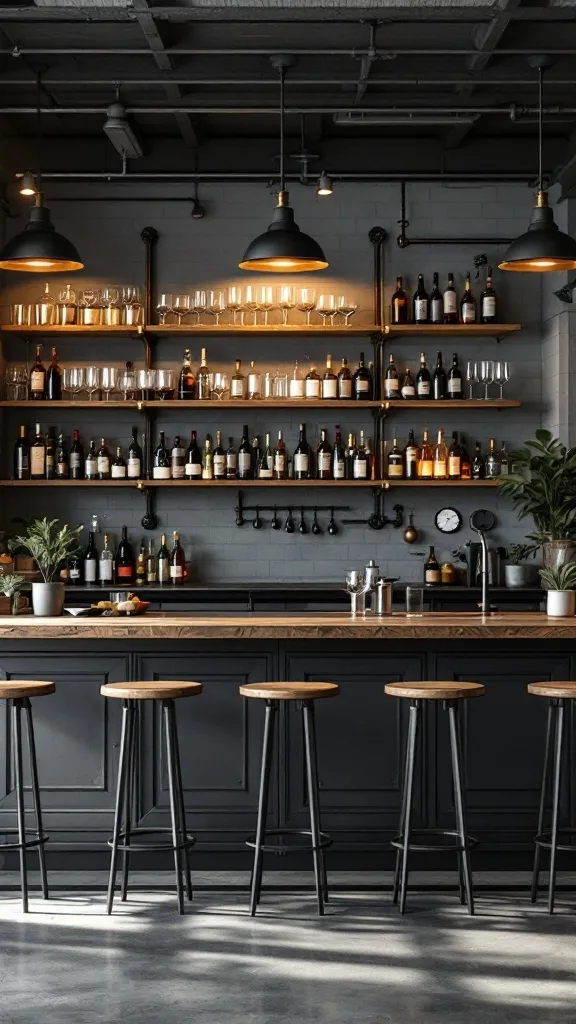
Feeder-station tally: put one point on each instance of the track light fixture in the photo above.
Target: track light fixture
(197, 211)
(325, 186)
(27, 186)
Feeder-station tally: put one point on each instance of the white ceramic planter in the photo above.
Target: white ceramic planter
(560, 603)
(48, 599)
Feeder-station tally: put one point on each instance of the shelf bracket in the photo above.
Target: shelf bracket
(150, 520)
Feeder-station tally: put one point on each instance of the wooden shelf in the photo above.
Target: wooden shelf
(174, 405)
(140, 484)
(31, 404)
(71, 329)
(295, 330)
(69, 483)
(441, 483)
(451, 330)
(449, 403)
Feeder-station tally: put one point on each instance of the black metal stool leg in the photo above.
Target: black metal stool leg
(167, 706)
(36, 794)
(129, 799)
(120, 793)
(267, 745)
(180, 804)
(460, 856)
(542, 807)
(409, 786)
(396, 886)
(460, 806)
(313, 799)
(17, 722)
(558, 740)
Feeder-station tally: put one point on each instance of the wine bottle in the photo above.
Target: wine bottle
(177, 561)
(103, 460)
(504, 464)
(455, 379)
(203, 379)
(38, 377)
(324, 458)
(208, 459)
(91, 560)
(423, 378)
(296, 389)
(362, 387)
(238, 383)
(420, 303)
(440, 457)
(106, 561)
(312, 386)
(266, 463)
(478, 463)
(391, 381)
(492, 462)
(141, 566)
(22, 456)
(450, 302)
(436, 304)
(302, 456)
(231, 460)
(118, 466)
(432, 573)
(91, 464)
(408, 389)
(76, 458)
(219, 458)
(245, 471)
(163, 562)
(488, 302)
(76, 569)
(256, 456)
(50, 455)
(135, 457)
(399, 304)
(177, 459)
(280, 459)
(193, 467)
(186, 380)
(344, 381)
(38, 456)
(62, 464)
(151, 564)
(254, 383)
(54, 379)
(330, 381)
(161, 460)
(439, 382)
(360, 464)
(124, 565)
(468, 303)
(410, 458)
(349, 456)
(454, 458)
(425, 458)
(338, 457)
(465, 464)
(395, 462)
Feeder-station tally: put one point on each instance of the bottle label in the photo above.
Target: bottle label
(424, 387)
(426, 468)
(231, 462)
(439, 468)
(454, 465)
(454, 385)
(265, 473)
(176, 572)
(324, 462)
(106, 570)
(161, 473)
(360, 469)
(489, 305)
(300, 462)
(134, 468)
(395, 469)
(91, 467)
(75, 460)
(345, 387)
(296, 388)
(177, 470)
(193, 469)
(75, 573)
(61, 469)
(436, 311)
(420, 309)
(236, 388)
(163, 570)
(363, 386)
(37, 461)
(151, 576)
(219, 465)
(432, 576)
(244, 462)
(90, 570)
(103, 464)
(330, 388)
(312, 388)
(391, 386)
(450, 301)
(118, 472)
(468, 313)
(408, 391)
(411, 455)
(123, 572)
(37, 380)
(339, 469)
(279, 462)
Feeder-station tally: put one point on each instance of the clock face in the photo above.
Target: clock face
(448, 520)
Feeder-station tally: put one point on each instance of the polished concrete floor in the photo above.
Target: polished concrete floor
(68, 963)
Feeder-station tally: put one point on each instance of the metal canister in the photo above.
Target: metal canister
(64, 314)
(372, 573)
(90, 316)
(111, 316)
(381, 598)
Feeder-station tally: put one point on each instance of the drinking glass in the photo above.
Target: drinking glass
(110, 296)
(347, 307)
(251, 301)
(326, 306)
(219, 385)
(265, 300)
(414, 602)
(67, 380)
(501, 375)
(90, 310)
(127, 382)
(146, 384)
(199, 303)
(92, 380)
(181, 307)
(108, 380)
(21, 314)
(132, 303)
(234, 303)
(16, 383)
(305, 301)
(280, 385)
(268, 385)
(487, 375)
(215, 305)
(164, 384)
(76, 380)
(286, 301)
(164, 306)
(471, 376)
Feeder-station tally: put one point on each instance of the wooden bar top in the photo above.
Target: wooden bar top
(291, 626)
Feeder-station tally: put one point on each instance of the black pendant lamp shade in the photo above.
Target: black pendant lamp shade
(39, 249)
(283, 248)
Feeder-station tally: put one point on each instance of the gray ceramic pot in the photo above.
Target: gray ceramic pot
(519, 575)
(48, 599)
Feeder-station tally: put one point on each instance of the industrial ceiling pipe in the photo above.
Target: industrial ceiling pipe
(258, 82)
(187, 51)
(337, 109)
(526, 177)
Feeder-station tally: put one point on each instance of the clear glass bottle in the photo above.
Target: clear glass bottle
(296, 383)
(312, 384)
(408, 389)
(492, 464)
(45, 308)
(254, 383)
(208, 460)
(203, 379)
(106, 563)
(391, 380)
(440, 457)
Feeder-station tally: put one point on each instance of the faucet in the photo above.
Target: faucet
(484, 575)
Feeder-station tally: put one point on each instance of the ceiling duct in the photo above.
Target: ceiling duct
(122, 133)
(85, 3)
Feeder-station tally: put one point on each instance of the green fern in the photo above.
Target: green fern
(543, 487)
(49, 545)
(561, 578)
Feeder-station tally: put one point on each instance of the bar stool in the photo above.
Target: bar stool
(451, 694)
(18, 695)
(126, 794)
(558, 693)
(304, 694)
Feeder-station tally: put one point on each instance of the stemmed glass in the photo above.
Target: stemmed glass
(164, 306)
(132, 304)
(326, 306)
(347, 307)
(487, 375)
(234, 303)
(164, 384)
(215, 305)
(472, 376)
(251, 301)
(67, 380)
(286, 301)
(501, 375)
(108, 380)
(305, 301)
(76, 380)
(146, 384)
(127, 382)
(357, 585)
(199, 303)
(220, 385)
(92, 382)
(181, 307)
(265, 300)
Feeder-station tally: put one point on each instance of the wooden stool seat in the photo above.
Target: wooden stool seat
(435, 690)
(157, 690)
(554, 688)
(289, 691)
(25, 688)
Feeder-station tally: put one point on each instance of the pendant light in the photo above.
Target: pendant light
(283, 248)
(543, 248)
(39, 249)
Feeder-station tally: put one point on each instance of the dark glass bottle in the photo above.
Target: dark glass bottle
(50, 458)
(62, 464)
(22, 456)
(478, 463)
(257, 453)
(76, 569)
(349, 456)
(488, 301)
(38, 377)
(324, 458)
(118, 466)
(450, 302)
(338, 457)
(219, 458)
(245, 470)
(423, 380)
(124, 563)
(163, 561)
(395, 462)
(391, 380)
(302, 456)
(410, 458)
(432, 573)
(454, 458)
(161, 460)
(76, 458)
(103, 460)
(186, 380)
(362, 386)
(420, 312)
(193, 467)
(468, 303)
(54, 379)
(465, 464)
(266, 463)
(91, 560)
(360, 461)
(408, 389)
(280, 459)
(135, 460)
(177, 459)
(38, 456)
(439, 382)
(399, 305)
(436, 305)
(91, 463)
(231, 460)
(455, 379)
(177, 561)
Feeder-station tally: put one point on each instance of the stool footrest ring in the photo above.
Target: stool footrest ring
(325, 840)
(544, 839)
(152, 847)
(28, 844)
(457, 847)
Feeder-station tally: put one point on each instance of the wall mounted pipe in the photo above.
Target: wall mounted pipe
(402, 241)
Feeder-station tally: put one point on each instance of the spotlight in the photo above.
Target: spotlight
(27, 186)
(325, 187)
(197, 211)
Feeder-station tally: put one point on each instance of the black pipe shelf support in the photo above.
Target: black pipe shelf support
(402, 240)
(378, 520)
(241, 508)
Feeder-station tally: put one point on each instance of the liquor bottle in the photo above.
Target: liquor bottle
(256, 456)
(245, 457)
(391, 381)
(231, 460)
(254, 383)
(106, 562)
(478, 463)
(22, 456)
(362, 387)
(163, 561)
(492, 462)
(410, 458)
(312, 387)
(76, 569)
(302, 456)
(54, 379)
(329, 381)
(177, 459)
(408, 389)
(439, 382)
(124, 565)
(62, 464)
(454, 458)
(296, 389)
(423, 383)
(141, 566)
(454, 379)
(76, 458)
(38, 377)
(186, 380)
(219, 458)
(238, 383)
(118, 466)
(488, 303)
(161, 460)
(468, 303)
(151, 564)
(338, 457)
(193, 467)
(91, 464)
(399, 305)
(344, 381)
(208, 459)
(323, 458)
(37, 455)
(45, 307)
(360, 464)
(103, 460)
(280, 460)
(432, 573)
(177, 561)
(425, 458)
(450, 302)
(436, 303)
(349, 456)
(504, 464)
(91, 560)
(395, 462)
(50, 456)
(266, 463)
(440, 458)
(135, 457)
(420, 303)
(203, 379)
(465, 464)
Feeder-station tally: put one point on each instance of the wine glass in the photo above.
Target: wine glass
(164, 384)
(199, 303)
(471, 376)
(146, 384)
(234, 303)
(347, 307)
(219, 385)
(92, 380)
(76, 380)
(486, 375)
(127, 382)
(501, 375)
(110, 296)
(305, 301)
(67, 380)
(357, 585)
(108, 380)
(215, 305)
(132, 304)
(326, 306)
(164, 306)
(251, 301)
(286, 301)
(181, 307)
(265, 300)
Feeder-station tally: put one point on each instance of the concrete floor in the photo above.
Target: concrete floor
(68, 963)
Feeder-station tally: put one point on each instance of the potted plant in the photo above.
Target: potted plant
(10, 586)
(49, 544)
(543, 486)
(560, 584)
(517, 573)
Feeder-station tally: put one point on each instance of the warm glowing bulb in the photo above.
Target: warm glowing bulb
(25, 191)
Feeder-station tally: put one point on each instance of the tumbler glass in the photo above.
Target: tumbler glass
(414, 602)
